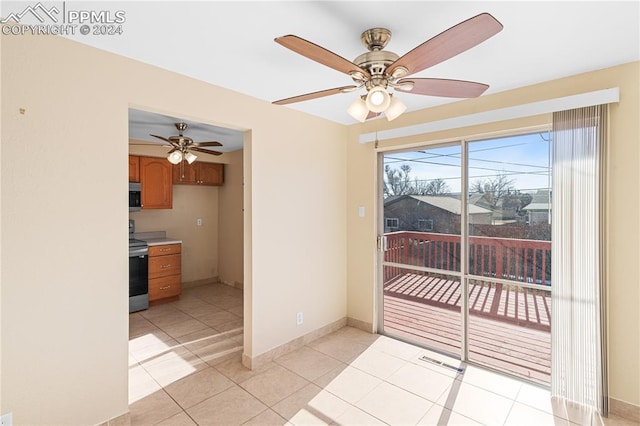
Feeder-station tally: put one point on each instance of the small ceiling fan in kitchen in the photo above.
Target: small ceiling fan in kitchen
(378, 70)
(182, 146)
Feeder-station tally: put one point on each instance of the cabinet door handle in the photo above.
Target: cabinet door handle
(165, 249)
(165, 266)
(165, 287)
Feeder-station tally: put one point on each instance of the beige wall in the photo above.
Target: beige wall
(64, 210)
(230, 222)
(199, 243)
(623, 189)
(1, 210)
(298, 228)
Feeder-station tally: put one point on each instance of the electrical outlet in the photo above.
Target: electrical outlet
(199, 222)
(299, 318)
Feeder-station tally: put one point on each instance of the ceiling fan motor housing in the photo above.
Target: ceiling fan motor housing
(375, 38)
(376, 60)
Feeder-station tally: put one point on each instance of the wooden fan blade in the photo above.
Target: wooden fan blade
(206, 151)
(163, 138)
(448, 43)
(148, 144)
(372, 115)
(444, 87)
(313, 95)
(320, 54)
(213, 143)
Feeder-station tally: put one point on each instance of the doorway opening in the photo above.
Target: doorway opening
(195, 232)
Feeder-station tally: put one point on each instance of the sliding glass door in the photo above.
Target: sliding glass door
(509, 268)
(467, 251)
(422, 287)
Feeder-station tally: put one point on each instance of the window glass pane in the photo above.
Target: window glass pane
(509, 222)
(422, 211)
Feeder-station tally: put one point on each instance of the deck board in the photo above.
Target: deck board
(508, 330)
(524, 307)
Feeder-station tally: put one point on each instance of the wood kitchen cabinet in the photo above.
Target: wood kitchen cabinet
(134, 168)
(165, 272)
(198, 173)
(156, 183)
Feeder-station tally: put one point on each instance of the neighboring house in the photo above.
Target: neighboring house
(501, 214)
(429, 213)
(539, 210)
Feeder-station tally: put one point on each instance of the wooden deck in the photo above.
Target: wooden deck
(509, 328)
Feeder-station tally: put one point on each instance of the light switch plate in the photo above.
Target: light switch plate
(361, 211)
(6, 419)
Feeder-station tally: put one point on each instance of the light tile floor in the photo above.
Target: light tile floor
(185, 369)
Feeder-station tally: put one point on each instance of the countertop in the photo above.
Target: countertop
(156, 238)
(162, 241)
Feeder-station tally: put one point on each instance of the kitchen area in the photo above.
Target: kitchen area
(185, 213)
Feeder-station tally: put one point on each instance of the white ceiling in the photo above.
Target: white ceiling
(230, 44)
(142, 124)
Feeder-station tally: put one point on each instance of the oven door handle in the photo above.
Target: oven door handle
(142, 251)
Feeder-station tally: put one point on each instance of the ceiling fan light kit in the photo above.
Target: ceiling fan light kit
(378, 70)
(175, 157)
(190, 157)
(395, 109)
(181, 146)
(358, 110)
(378, 99)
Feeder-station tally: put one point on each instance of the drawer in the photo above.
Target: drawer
(164, 249)
(160, 288)
(162, 266)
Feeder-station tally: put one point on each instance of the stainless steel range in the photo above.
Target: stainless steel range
(138, 272)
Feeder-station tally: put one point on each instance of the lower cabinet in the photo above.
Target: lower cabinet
(165, 272)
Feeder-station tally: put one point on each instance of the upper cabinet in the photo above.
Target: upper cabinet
(156, 183)
(185, 173)
(198, 173)
(134, 168)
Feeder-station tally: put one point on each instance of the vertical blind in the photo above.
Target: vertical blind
(578, 354)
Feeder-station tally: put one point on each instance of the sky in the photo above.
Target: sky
(524, 159)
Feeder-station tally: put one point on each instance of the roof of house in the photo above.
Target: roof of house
(478, 199)
(450, 204)
(537, 207)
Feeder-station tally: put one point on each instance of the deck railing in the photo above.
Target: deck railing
(527, 261)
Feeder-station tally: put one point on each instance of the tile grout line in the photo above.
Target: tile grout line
(509, 412)
(182, 345)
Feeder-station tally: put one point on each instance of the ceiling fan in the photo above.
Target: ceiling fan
(183, 145)
(379, 69)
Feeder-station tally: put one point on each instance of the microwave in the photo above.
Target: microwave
(135, 197)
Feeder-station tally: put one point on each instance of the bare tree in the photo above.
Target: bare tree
(397, 182)
(436, 187)
(494, 189)
(477, 186)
